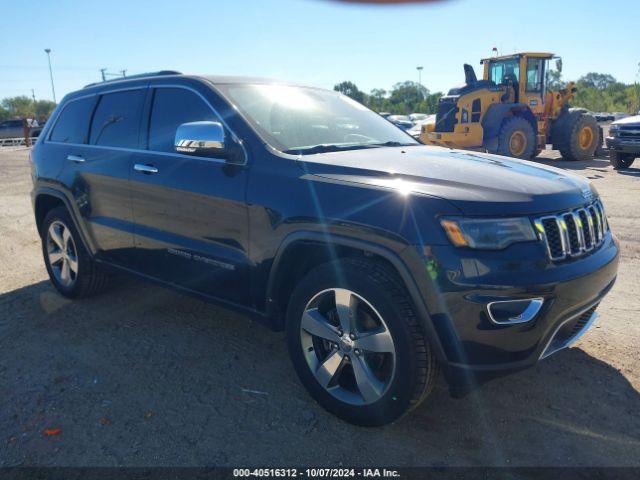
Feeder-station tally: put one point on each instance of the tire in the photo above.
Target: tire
(60, 239)
(619, 160)
(402, 377)
(576, 135)
(516, 139)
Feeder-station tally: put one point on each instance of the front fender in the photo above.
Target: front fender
(408, 264)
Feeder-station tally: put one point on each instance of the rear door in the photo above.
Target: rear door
(190, 212)
(98, 173)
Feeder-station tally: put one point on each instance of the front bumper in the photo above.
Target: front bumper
(468, 281)
(471, 140)
(625, 145)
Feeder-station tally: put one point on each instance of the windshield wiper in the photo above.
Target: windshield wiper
(393, 144)
(327, 147)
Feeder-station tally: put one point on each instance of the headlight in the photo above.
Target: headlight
(613, 130)
(488, 233)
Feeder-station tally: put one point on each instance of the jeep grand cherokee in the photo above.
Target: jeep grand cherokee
(386, 261)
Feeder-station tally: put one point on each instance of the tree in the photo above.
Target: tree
(377, 99)
(600, 81)
(430, 104)
(350, 90)
(25, 107)
(407, 96)
(43, 108)
(19, 106)
(554, 80)
(4, 114)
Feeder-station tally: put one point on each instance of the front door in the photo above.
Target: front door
(191, 220)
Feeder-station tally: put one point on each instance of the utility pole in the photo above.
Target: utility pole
(103, 71)
(419, 75)
(53, 90)
(33, 95)
(124, 73)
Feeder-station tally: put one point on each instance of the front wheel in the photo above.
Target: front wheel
(356, 343)
(516, 139)
(620, 161)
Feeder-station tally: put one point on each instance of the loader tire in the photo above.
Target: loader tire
(576, 135)
(516, 139)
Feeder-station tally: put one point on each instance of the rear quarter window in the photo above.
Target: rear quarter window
(73, 122)
(117, 118)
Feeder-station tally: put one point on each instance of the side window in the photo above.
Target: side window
(73, 123)
(117, 118)
(534, 74)
(171, 108)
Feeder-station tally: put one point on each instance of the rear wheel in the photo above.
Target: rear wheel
(619, 160)
(356, 343)
(516, 139)
(576, 135)
(71, 269)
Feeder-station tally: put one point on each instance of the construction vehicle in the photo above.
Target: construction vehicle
(512, 112)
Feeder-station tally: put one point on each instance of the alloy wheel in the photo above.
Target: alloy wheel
(348, 346)
(62, 254)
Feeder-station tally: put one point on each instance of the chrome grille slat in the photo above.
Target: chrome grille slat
(564, 236)
(573, 233)
(578, 224)
(600, 213)
(596, 223)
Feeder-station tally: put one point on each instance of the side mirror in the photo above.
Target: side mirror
(205, 139)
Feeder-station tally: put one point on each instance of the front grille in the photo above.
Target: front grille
(630, 131)
(573, 233)
(446, 116)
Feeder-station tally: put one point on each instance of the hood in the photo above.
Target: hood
(476, 183)
(627, 120)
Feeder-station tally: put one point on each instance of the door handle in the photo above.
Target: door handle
(139, 167)
(75, 158)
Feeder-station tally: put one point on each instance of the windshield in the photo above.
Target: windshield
(304, 120)
(500, 71)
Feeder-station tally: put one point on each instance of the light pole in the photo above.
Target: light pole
(419, 75)
(53, 90)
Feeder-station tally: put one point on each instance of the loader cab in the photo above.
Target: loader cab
(523, 75)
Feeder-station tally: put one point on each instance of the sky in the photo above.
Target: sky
(316, 42)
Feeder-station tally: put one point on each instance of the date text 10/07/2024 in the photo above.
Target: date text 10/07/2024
(316, 473)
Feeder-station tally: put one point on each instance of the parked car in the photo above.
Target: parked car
(15, 129)
(623, 142)
(619, 115)
(401, 121)
(417, 117)
(416, 130)
(604, 117)
(384, 260)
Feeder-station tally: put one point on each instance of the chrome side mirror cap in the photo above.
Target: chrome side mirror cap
(204, 139)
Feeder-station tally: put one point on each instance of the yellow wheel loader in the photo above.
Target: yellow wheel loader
(512, 112)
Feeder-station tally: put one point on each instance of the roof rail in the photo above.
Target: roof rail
(138, 75)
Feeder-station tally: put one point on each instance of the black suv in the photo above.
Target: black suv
(623, 142)
(386, 261)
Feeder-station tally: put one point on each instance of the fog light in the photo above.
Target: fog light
(508, 312)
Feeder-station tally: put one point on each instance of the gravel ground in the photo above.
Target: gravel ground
(143, 376)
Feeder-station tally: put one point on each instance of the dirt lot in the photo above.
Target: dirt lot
(145, 376)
